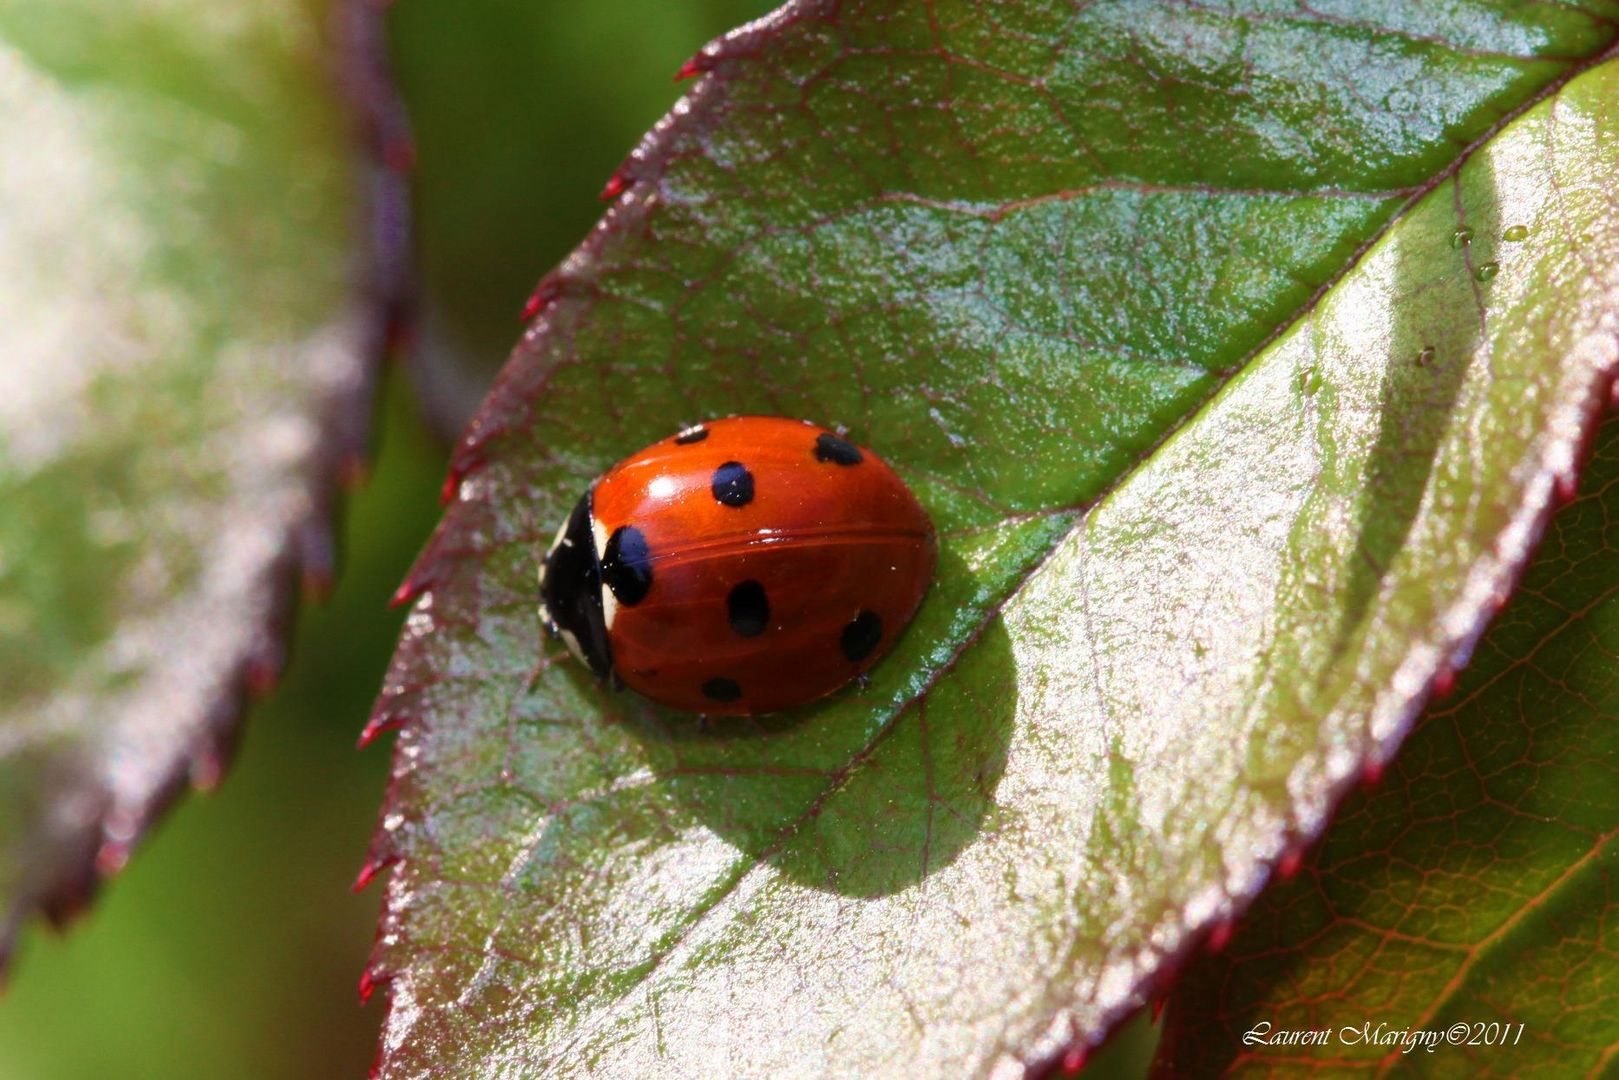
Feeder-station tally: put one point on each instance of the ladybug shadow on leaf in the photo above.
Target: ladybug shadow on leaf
(874, 788)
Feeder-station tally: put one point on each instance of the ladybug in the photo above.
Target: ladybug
(740, 566)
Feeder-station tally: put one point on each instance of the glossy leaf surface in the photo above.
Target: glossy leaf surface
(1476, 885)
(187, 365)
(1034, 241)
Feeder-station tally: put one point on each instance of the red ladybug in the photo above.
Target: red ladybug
(740, 566)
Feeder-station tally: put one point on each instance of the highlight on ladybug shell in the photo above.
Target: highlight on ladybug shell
(739, 566)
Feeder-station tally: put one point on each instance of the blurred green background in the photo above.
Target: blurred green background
(231, 945)
(522, 110)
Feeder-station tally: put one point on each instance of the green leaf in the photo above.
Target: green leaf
(1012, 248)
(1476, 884)
(188, 362)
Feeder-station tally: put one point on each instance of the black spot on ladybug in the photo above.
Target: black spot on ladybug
(861, 636)
(627, 565)
(732, 484)
(721, 690)
(694, 434)
(749, 609)
(836, 450)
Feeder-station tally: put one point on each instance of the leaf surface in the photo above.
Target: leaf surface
(188, 362)
(1011, 248)
(1476, 885)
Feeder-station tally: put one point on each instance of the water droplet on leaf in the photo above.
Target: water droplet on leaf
(1425, 357)
(1516, 233)
(1461, 237)
(1487, 271)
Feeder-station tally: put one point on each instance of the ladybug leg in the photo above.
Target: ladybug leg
(863, 681)
(705, 724)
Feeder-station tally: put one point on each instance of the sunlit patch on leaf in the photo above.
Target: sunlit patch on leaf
(1153, 657)
(1474, 884)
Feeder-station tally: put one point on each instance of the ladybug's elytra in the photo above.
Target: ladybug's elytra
(740, 566)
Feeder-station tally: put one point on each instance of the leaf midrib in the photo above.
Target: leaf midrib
(1218, 380)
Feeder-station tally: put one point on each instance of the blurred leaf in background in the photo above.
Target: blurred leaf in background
(231, 944)
(193, 302)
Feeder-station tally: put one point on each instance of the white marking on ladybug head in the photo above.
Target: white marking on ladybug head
(561, 537)
(609, 601)
(573, 646)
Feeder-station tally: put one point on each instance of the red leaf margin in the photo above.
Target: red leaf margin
(99, 845)
(444, 579)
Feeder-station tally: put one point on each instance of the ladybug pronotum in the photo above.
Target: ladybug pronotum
(740, 566)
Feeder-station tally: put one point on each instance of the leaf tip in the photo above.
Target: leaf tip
(408, 590)
(1444, 682)
(317, 561)
(1567, 485)
(207, 769)
(111, 857)
(373, 866)
(262, 673)
(375, 727)
(700, 64)
(545, 292)
(462, 464)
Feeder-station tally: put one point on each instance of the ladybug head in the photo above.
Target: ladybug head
(571, 590)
